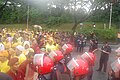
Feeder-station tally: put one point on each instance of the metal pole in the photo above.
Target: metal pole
(28, 17)
(110, 16)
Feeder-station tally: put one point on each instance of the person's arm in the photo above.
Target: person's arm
(94, 50)
(105, 52)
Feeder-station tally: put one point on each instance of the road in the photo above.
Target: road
(96, 74)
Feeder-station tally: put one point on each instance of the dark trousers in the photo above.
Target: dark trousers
(44, 77)
(103, 62)
(80, 48)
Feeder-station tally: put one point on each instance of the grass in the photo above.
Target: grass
(13, 26)
(63, 27)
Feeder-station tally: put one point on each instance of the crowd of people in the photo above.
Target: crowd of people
(18, 47)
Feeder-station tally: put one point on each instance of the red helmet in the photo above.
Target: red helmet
(67, 48)
(56, 55)
(89, 57)
(44, 63)
(78, 67)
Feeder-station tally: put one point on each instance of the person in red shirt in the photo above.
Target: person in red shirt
(35, 46)
(14, 72)
(27, 67)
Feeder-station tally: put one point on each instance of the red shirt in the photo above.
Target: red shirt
(36, 48)
(23, 66)
(28, 69)
(16, 76)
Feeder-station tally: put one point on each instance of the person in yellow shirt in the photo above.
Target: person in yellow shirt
(50, 46)
(4, 61)
(7, 44)
(57, 46)
(11, 53)
(19, 53)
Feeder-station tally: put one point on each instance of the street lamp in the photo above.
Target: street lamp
(28, 10)
(110, 15)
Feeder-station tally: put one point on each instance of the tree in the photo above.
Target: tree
(95, 6)
(54, 12)
(14, 11)
(2, 6)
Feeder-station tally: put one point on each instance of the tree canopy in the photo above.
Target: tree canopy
(56, 12)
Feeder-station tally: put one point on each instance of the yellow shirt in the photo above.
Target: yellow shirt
(57, 47)
(16, 44)
(7, 45)
(4, 67)
(21, 58)
(50, 47)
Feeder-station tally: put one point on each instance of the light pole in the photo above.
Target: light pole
(28, 10)
(110, 15)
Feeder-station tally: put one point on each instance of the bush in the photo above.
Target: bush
(102, 34)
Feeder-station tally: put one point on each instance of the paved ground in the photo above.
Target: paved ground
(99, 75)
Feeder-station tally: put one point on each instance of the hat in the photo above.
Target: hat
(4, 53)
(42, 49)
(12, 61)
(26, 43)
(30, 50)
(21, 48)
(30, 53)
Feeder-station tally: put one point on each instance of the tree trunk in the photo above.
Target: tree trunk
(75, 21)
(74, 27)
(73, 31)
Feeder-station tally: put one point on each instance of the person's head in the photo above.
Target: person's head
(3, 55)
(13, 63)
(34, 41)
(4, 76)
(106, 43)
(11, 52)
(26, 44)
(50, 42)
(30, 53)
(8, 35)
(19, 50)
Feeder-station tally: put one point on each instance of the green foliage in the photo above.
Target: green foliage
(51, 21)
(102, 34)
(106, 34)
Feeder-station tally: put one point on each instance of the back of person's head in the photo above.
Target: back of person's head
(4, 76)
